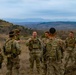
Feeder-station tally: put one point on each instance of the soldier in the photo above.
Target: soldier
(12, 52)
(34, 45)
(69, 52)
(44, 40)
(53, 54)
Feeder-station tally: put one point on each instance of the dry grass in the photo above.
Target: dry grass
(24, 58)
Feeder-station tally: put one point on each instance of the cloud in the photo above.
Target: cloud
(49, 9)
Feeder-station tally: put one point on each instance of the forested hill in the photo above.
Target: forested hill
(5, 27)
(47, 25)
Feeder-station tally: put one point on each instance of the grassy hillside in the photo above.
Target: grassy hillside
(5, 27)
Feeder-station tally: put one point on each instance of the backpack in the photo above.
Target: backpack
(7, 48)
(53, 50)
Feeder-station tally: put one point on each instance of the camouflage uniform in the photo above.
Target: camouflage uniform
(34, 46)
(54, 57)
(69, 52)
(44, 40)
(13, 59)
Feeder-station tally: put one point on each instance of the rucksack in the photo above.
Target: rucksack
(7, 48)
(53, 49)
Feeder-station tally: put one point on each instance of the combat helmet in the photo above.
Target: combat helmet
(17, 31)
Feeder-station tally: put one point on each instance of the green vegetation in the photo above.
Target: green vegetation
(5, 27)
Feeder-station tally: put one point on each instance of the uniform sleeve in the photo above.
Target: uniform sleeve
(66, 42)
(40, 43)
(44, 41)
(27, 42)
(61, 47)
(17, 46)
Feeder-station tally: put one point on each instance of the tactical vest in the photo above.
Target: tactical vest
(10, 49)
(34, 44)
(70, 42)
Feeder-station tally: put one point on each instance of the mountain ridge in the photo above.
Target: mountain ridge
(43, 25)
(6, 27)
(47, 25)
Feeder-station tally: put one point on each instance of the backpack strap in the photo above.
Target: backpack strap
(4, 49)
(7, 42)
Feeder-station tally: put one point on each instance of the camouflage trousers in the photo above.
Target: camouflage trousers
(44, 68)
(44, 65)
(74, 55)
(68, 59)
(54, 67)
(35, 56)
(13, 66)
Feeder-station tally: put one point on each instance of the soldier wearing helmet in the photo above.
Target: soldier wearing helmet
(12, 52)
(17, 34)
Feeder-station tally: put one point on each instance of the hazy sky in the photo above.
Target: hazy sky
(46, 9)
